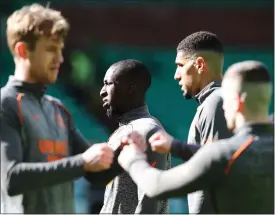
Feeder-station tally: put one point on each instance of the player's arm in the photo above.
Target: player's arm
(183, 150)
(212, 123)
(101, 179)
(24, 176)
(162, 142)
(204, 170)
(156, 160)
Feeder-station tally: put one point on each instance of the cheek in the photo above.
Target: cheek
(111, 92)
(184, 76)
(47, 59)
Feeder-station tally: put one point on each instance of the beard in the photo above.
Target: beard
(112, 113)
(187, 96)
(109, 112)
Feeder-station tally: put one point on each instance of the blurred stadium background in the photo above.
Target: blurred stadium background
(105, 31)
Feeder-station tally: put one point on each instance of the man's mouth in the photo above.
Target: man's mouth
(55, 68)
(105, 104)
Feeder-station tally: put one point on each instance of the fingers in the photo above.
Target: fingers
(98, 157)
(157, 136)
(137, 139)
(106, 155)
(106, 161)
(156, 145)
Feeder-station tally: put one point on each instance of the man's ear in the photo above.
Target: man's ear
(132, 88)
(20, 50)
(200, 64)
(241, 102)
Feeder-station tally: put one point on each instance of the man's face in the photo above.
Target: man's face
(230, 102)
(114, 93)
(187, 75)
(46, 59)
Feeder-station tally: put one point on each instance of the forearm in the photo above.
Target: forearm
(175, 182)
(101, 179)
(183, 150)
(24, 177)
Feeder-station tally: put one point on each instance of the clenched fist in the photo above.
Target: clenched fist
(98, 157)
(129, 154)
(135, 138)
(161, 142)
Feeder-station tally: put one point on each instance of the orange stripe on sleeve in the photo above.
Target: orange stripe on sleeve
(237, 154)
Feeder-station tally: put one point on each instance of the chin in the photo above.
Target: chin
(111, 113)
(50, 80)
(187, 96)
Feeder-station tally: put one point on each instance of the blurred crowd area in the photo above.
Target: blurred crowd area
(105, 31)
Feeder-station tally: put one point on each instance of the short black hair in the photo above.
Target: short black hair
(136, 72)
(200, 41)
(249, 71)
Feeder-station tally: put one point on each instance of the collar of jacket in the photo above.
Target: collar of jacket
(205, 92)
(134, 114)
(37, 89)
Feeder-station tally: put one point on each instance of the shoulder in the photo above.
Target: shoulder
(212, 104)
(53, 99)
(9, 98)
(58, 102)
(224, 147)
(10, 105)
(213, 100)
(146, 125)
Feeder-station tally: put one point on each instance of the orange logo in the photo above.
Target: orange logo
(55, 150)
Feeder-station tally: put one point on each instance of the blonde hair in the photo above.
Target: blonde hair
(31, 22)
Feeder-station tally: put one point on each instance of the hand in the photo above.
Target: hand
(136, 139)
(161, 142)
(98, 157)
(129, 154)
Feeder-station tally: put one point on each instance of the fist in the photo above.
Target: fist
(129, 154)
(136, 139)
(161, 142)
(98, 157)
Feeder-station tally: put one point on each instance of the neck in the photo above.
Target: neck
(208, 79)
(22, 73)
(241, 120)
(132, 107)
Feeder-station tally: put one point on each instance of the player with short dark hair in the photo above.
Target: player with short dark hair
(237, 171)
(125, 85)
(199, 63)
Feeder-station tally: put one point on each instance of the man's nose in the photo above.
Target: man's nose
(177, 75)
(103, 92)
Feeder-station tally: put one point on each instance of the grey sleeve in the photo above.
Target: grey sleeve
(156, 160)
(212, 123)
(204, 170)
(25, 176)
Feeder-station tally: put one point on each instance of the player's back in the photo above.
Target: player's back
(249, 177)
